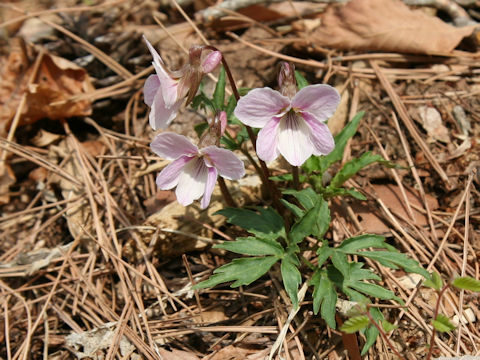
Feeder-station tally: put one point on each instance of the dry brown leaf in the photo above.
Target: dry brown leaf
(44, 138)
(26, 264)
(7, 178)
(432, 123)
(232, 353)
(94, 343)
(56, 80)
(176, 355)
(387, 25)
(391, 196)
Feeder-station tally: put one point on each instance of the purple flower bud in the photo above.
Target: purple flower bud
(286, 79)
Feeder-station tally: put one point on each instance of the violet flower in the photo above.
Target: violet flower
(293, 122)
(165, 91)
(194, 171)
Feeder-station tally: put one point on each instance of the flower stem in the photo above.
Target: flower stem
(435, 314)
(265, 174)
(296, 181)
(226, 193)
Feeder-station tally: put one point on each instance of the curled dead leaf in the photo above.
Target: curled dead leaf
(47, 90)
(387, 25)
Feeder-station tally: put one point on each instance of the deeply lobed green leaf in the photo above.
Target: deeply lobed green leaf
(264, 223)
(252, 246)
(242, 271)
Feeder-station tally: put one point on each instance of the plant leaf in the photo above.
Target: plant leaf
(442, 323)
(291, 279)
(355, 165)
(388, 258)
(314, 222)
(306, 197)
(265, 224)
(231, 104)
(388, 326)
(340, 142)
(365, 241)
(467, 283)
(301, 81)
(242, 271)
(331, 192)
(219, 93)
(324, 298)
(372, 290)
(200, 128)
(355, 324)
(252, 246)
(296, 211)
(341, 263)
(434, 282)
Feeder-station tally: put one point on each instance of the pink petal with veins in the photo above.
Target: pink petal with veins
(267, 141)
(192, 181)
(294, 139)
(260, 105)
(319, 100)
(227, 163)
(171, 146)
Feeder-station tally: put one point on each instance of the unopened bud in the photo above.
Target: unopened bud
(211, 61)
(215, 131)
(286, 79)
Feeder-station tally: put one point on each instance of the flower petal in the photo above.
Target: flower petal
(161, 116)
(150, 89)
(227, 163)
(319, 100)
(169, 85)
(171, 146)
(192, 181)
(320, 136)
(156, 57)
(267, 141)
(211, 61)
(209, 186)
(259, 106)
(168, 178)
(294, 139)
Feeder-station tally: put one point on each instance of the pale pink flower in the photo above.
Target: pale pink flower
(292, 125)
(193, 171)
(165, 91)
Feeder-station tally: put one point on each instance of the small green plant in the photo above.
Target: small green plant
(440, 322)
(291, 123)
